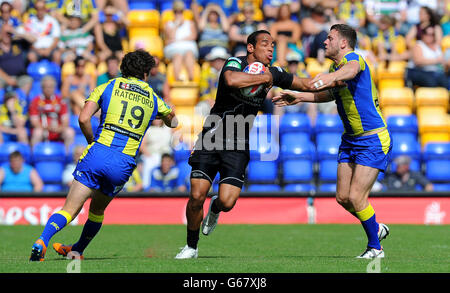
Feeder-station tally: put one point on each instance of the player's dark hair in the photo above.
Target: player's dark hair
(136, 64)
(251, 39)
(347, 32)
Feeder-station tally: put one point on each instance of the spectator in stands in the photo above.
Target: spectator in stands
(271, 9)
(134, 184)
(112, 70)
(315, 31)
(158, 81)
(120, 5)
(108, 34)
(286, 33)
(229, 7)
(353, 13)
(51, 5)
(12, 118)
(67, 177)
(6, 18)
(388, 44)
(427, 65)
(85, 9)
(364, 48)
(209, 79)
(213, 29)
(77, 87)
(427, 18)
(17, 176)
(239, 31)
(166, 177)
(403, 179)
(155, 143)
(13, 67)
(76, 41)
(47, 30)
(181, 46)
(49, 116)
(375, 9)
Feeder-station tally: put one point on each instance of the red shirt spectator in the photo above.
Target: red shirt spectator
(49, 116)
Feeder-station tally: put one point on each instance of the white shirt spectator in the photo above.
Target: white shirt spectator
(46, 30)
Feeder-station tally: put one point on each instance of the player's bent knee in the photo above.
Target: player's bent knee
(342, 199)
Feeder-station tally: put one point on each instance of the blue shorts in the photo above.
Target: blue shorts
(104, 169)
(372, 150)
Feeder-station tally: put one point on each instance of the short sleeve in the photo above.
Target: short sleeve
(233, 64)
(281, 78)
(356, 57)
(97, 93)
(163, 108)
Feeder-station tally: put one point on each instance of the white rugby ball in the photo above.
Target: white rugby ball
(254, 68)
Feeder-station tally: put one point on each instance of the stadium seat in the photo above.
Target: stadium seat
(37, 70)
(445, 43)
(441, 186)
(144, 18)
(313, 67)
(402, 124)
(264, 188)
(262, 171)
(432, 97)
(299, 187)
(394, 71)
(184, 82)
(327, 187)
(181, 152)
(434, 128)
(168, 15)
(328, 170)
(52, 188)
(297, 170)
(264, 123)
(49, 159)
(68, 68)
(295, 146)
(142, 4)
(184, 96)
(295, 122)
(144, 38)
(8, 147)
(329, 123)
(396, 96)
(263, 147)
(436, 157)
(328, 145)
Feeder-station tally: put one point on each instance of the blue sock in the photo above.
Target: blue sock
(55, 223)
(370, 225)
(90, 229)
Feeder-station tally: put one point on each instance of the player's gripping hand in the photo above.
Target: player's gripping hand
(269, 83)
(286, 98)
(322, 80)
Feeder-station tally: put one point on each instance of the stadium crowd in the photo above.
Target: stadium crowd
(54, 53)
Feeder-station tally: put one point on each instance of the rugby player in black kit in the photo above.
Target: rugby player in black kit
(223, 144)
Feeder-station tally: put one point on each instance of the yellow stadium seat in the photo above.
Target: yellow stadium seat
(102, 68)
(144, 18)
(68, 68)
(389, 83)
(394, 70)
(445, 43)
(151, 43)
(402, 96)
(396, 110)
(425, 111)
(184, 110)
(432, 97)
(184, 77)
(313, 67)
(184, 96)
(257, 16)
(434, 128)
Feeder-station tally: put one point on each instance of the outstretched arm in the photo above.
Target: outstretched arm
(288, 98)
(310, 85)
(346, 72)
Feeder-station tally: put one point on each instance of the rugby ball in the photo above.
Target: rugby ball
(254, 68)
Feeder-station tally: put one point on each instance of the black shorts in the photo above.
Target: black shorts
(231, 166)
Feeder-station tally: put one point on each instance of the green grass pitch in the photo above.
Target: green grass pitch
(233, 249)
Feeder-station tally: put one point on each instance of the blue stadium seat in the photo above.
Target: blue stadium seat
(264, 188)
(406, 144)
(328, 170)
(328, 145)
(181, 152)
(52, 188)
(263, 147)
(437, 161)
(264, 123)
(299, 170)
(402, 124)
(143, 4)
(329, 123)
(297, 145)
(327, 187)
(295, 122)
(49, 159)
(299, 187)
(37, 70)
(8, 147)
(262, 171)
(441, 186)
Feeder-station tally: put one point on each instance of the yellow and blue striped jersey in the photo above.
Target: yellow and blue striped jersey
(128, 105)
(357, 103)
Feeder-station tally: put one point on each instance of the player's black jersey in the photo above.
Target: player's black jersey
(233, 108)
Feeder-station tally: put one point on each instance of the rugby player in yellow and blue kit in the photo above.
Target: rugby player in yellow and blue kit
(128, 105)
(366, 143)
